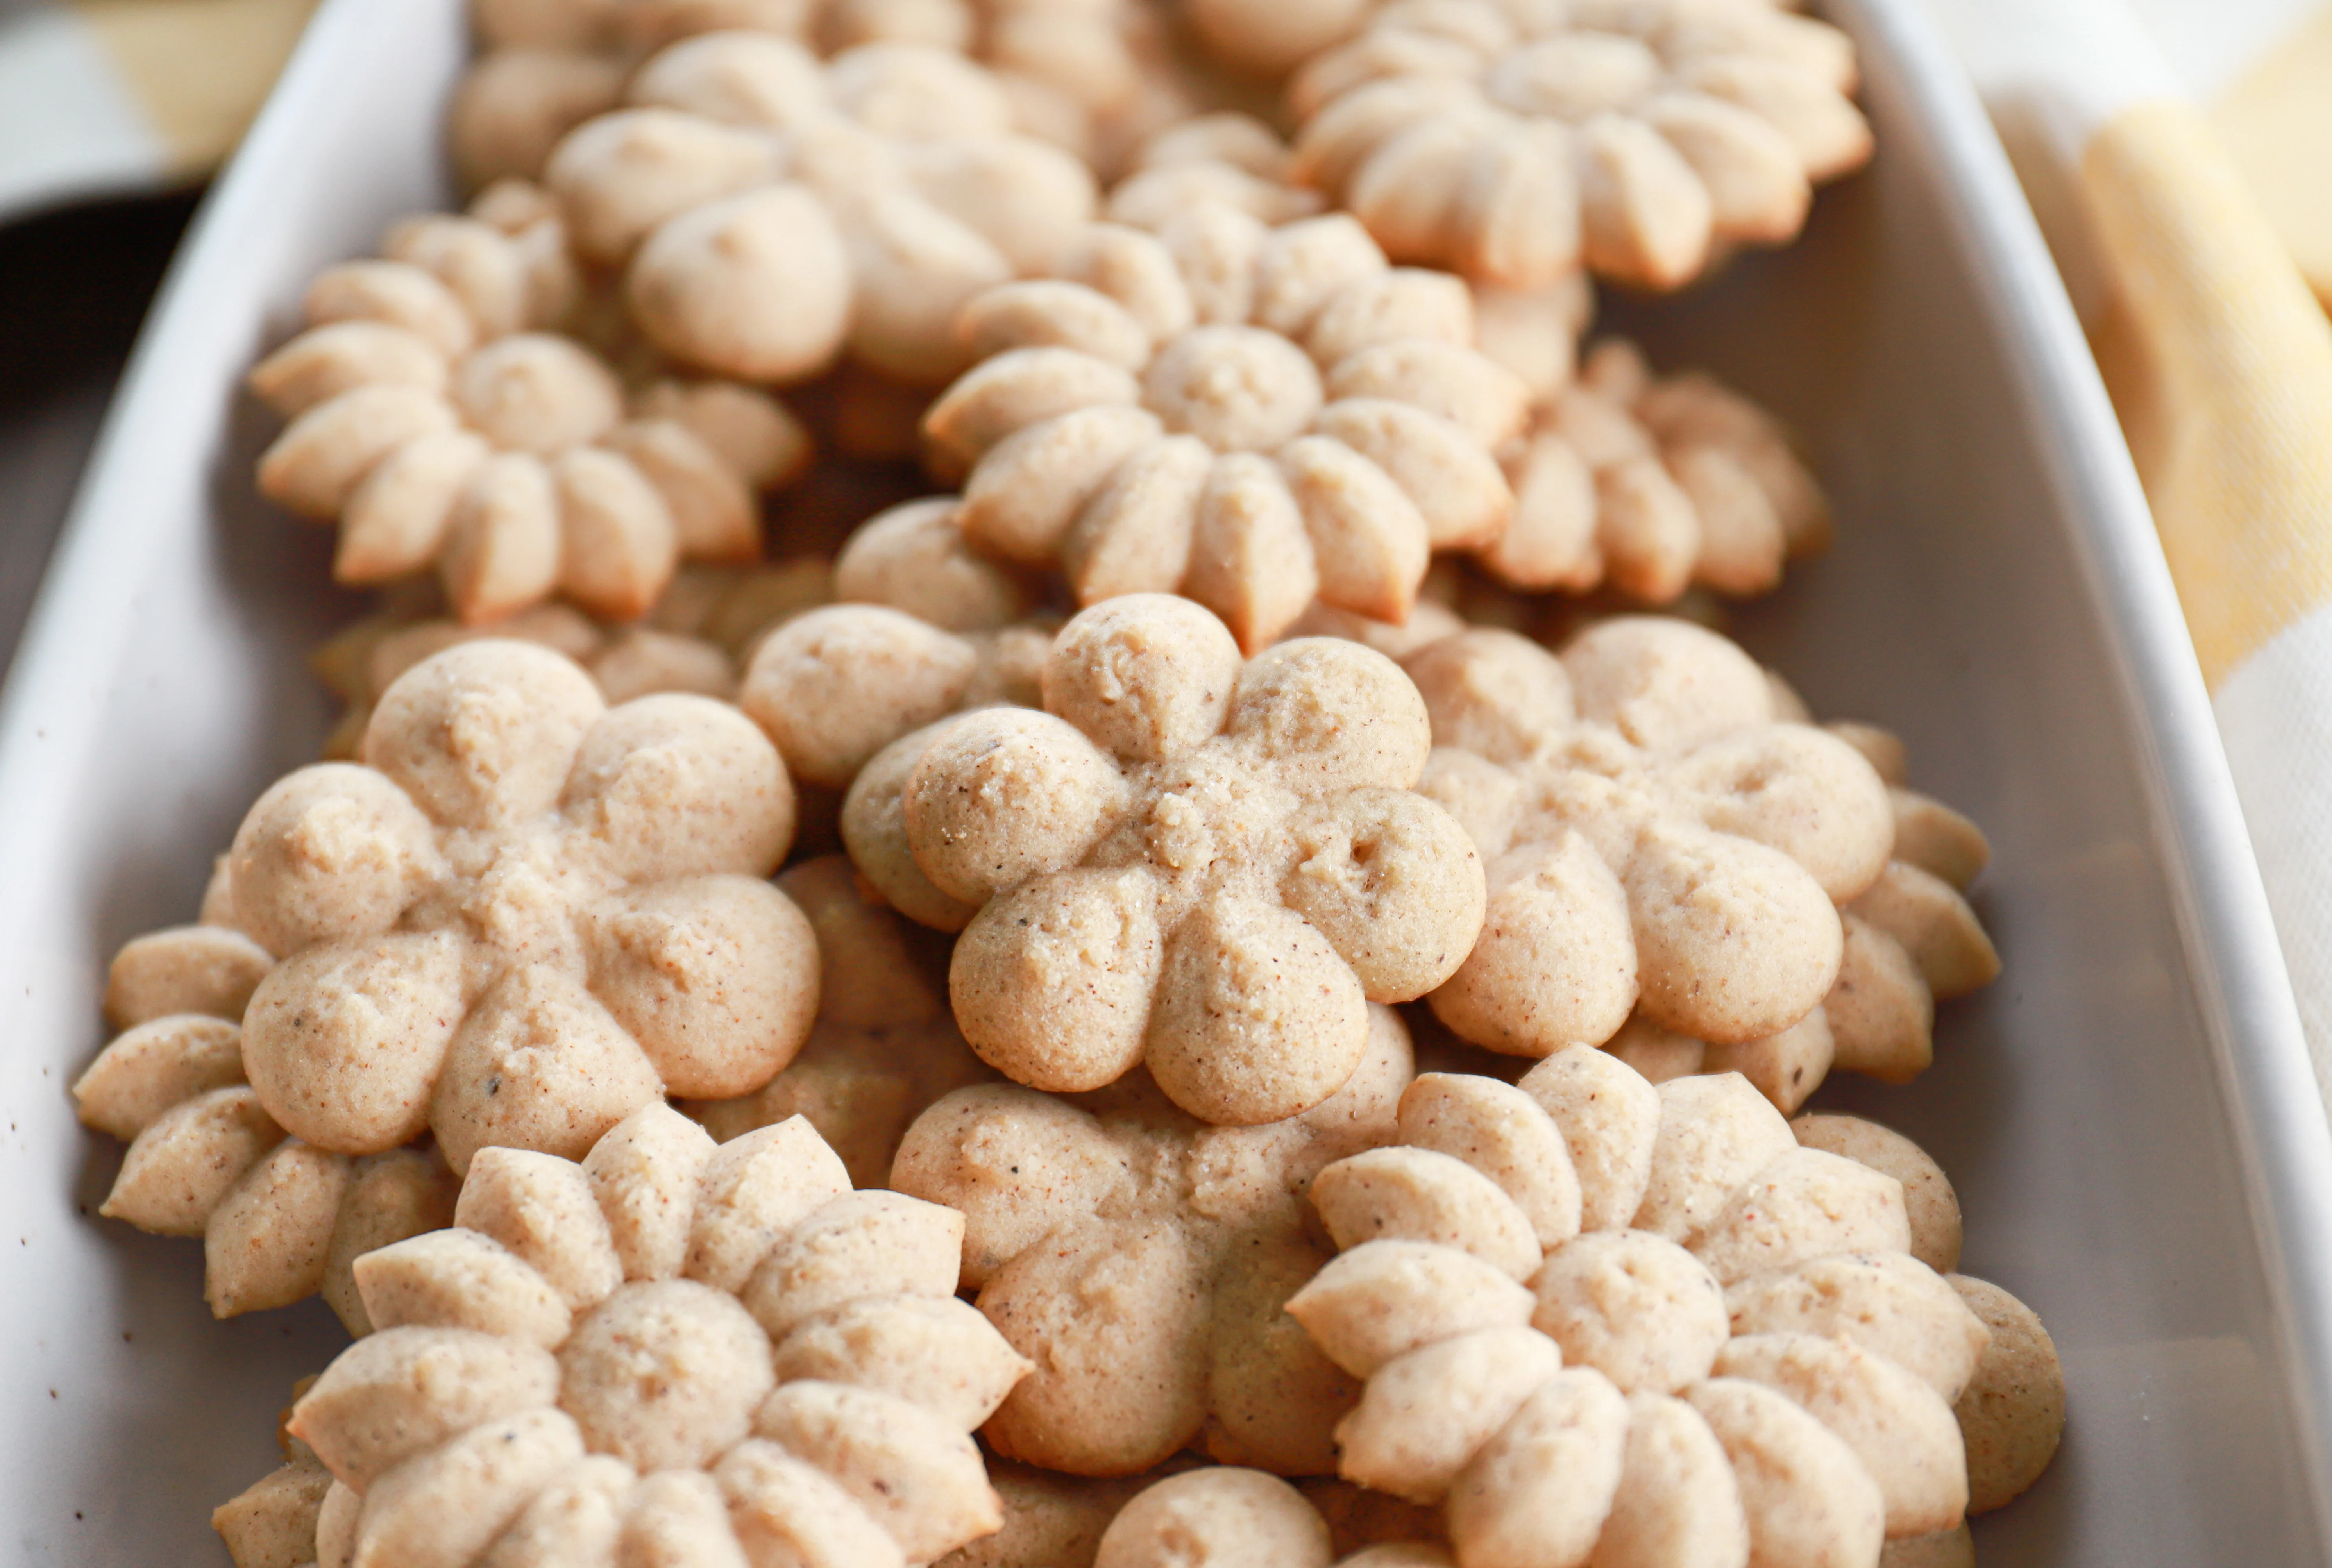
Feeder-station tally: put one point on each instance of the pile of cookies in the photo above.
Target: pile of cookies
(1044, 853)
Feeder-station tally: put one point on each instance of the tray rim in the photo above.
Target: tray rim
(2258, 1050)
(2252, 1019)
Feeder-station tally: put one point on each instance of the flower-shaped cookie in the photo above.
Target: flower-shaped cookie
(1656, 841)
(1909, 940)
(666, 1352)
(1651, 485)
(436, 433)
(1210, 866)
(770, 209)
(1092, 76)
(279, 1219)
(1254, 416)
(1141, 1260)
(1514, 143)
(526, 915)
(1221, 1515)
(884, 1048)
(1593, 1314)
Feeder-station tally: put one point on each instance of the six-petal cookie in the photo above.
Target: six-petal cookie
(1207, 865)
(1656, 841)
(525, 915)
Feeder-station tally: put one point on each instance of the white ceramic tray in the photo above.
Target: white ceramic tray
(2128, 1114)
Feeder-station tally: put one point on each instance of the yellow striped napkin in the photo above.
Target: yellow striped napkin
(106, 96)
(2219, 359)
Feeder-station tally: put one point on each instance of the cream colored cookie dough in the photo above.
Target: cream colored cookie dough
(836, 686)
(693, 638)
(1141, 1259)
(667, 1352)
(526, 915)
(2013, 1409)
(769, 211)
(1654, 484)
(1643, 142)
(280, 1221)
(1726, 1356)
(1254, 416)
(1205, 866)
(440, 418)
(1676, 869)
(883, 1048)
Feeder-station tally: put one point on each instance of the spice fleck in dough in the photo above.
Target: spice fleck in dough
(1207, 866)
(667, 1352)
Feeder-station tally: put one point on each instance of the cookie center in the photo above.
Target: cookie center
(665, 1375)
(1235, 388)
(1574, 77)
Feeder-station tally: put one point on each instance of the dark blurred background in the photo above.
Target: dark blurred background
(74, 284)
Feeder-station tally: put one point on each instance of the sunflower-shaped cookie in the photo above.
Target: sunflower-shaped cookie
(1651, 485)
(1253, 416)
(770, 210)
(1515, 143)
(524, 916)
(1656, 841)
(506, 458)
(279, 1219)
(1207, 865)
(1593, 1316)
(666, 1352)
(1141, 1259)
(1091, 76)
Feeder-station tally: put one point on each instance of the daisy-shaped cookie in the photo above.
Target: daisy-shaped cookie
(1658, 841)
(1238, 160)
(524, 916)
(1091, 76)
(1596, 1317)
(509, 459)
(1141, 1260)
(1208, 865)
(1515, 143)
(664, 1353)
(1254, 416)
(1651, 485)
(279, 1219)
(770, 210)
(884, 1048)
